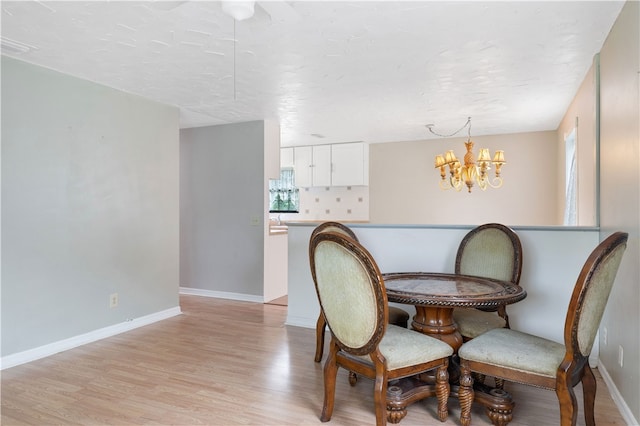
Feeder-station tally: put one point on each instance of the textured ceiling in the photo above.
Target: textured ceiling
(374, 71)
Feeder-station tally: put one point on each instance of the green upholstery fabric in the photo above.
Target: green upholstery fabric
(486, 251)
(595, 299)
(472, 322)
(516, 350)
(403, 347)
(397, 316)
(346, 295)
(488, 254)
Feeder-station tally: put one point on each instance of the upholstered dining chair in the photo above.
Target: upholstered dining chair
(353, 299)
(494, 251)
(536, 361)
(397, 316)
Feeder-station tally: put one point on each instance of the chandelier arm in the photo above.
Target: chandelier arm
(495, 182)
(445, 184)
(456, 183)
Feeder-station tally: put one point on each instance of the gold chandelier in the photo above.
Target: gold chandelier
(471, 172)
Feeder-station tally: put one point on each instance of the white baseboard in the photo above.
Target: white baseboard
(626, 413)
(73, 342)
(221, 295)
(304, 322)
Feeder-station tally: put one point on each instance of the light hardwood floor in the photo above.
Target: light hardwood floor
(221, 363)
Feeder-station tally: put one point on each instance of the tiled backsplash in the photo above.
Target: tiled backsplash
(339, 203)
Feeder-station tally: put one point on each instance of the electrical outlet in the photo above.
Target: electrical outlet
(604, 336)
(113, 300)
(620, 356)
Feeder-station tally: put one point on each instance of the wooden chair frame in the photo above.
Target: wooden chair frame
(343, 355)
(397, 316)
(579, 335)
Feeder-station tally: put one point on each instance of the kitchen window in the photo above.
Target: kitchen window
(283, 194)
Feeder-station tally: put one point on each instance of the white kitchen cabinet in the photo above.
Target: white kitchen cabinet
(312, 165)
(321, 169)
(350, 164)
(344, 164)
(302, 161)
(286, 157)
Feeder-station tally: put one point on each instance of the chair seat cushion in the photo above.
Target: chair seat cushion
(403, 347)
(472, 322)
(515, 350)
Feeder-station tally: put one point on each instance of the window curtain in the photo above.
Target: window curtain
(283, 194)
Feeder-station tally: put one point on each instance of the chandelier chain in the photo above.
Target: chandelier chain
(468, 123)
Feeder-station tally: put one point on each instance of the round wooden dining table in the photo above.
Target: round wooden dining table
(434, 296)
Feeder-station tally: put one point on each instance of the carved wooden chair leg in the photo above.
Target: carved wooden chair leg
(442, 391)
(465, 394)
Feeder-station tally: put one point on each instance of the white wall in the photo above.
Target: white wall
(89, 207)
(222, 209)
(275, 245)
(404, 183)
(620, 197)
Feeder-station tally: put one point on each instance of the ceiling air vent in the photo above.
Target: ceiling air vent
(12, 46)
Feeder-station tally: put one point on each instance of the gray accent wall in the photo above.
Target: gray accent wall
(222, 208)
(620, 198)
(89, 206)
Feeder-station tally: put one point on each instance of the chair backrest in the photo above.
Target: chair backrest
(350, 290)
(334, 227)
(591, 293)
(491, 250)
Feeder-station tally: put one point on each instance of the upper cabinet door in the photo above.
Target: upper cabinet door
(345, 164)
(321, 169)
(302, 156)
(350, 164)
